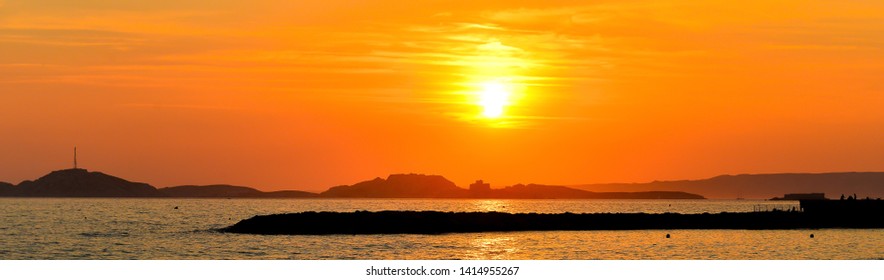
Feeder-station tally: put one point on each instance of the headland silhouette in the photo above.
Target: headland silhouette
(78, 182)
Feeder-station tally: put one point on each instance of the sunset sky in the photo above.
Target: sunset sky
(279, 94)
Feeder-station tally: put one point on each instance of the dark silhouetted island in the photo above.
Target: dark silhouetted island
(762, 186)
(82, 183)
(554, 192)
(288, 194)
(820, 214)
(223, 191)
(209, 191)
(79, 182)
(7, 189)
(434, 186)
(400, 186)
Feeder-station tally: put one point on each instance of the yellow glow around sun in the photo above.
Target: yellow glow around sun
(493, 97)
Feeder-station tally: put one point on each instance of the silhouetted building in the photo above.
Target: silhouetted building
(480, 186)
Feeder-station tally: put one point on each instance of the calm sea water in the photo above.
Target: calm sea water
(70, 228)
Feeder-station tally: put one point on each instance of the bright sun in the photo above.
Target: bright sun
(493, 98)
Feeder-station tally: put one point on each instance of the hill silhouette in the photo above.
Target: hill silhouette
(82, 183)
(400, 186)
(763, 185)
(7, 189)
(434, 186)
(545, 191)
(227, 191)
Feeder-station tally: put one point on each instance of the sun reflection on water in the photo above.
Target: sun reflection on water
(492, 247)
(152, 229)
(490, 205)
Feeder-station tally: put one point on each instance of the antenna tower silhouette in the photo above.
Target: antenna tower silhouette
(75, 157)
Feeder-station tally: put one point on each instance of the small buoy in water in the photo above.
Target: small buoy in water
(811, 235)
(176, 207)
(667, 235)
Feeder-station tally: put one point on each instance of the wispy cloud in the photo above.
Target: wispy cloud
(443, 47)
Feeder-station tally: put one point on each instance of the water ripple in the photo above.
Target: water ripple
(53, 228)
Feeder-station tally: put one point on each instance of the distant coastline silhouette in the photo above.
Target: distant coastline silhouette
(761, 186)
(78, 182)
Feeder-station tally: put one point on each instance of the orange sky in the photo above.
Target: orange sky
(310, 94)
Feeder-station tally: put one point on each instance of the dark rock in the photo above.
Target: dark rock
(433, 222)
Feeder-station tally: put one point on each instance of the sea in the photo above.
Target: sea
(146, 229)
